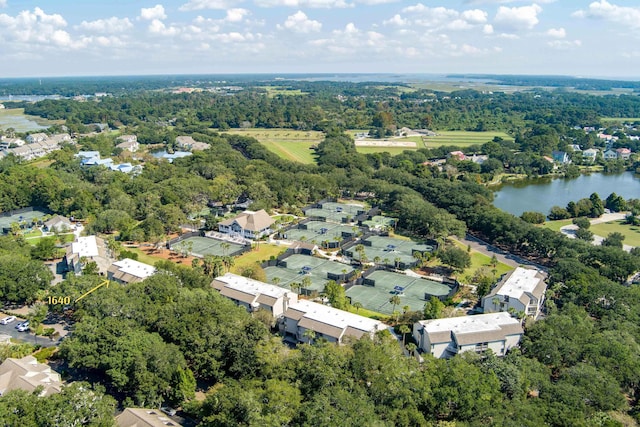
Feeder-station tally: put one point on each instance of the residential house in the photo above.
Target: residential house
(27, 374)
(325, 322)
(188, 143)
(176, 155)
(84, 250)
(59, 138)
(478, 158)
(444, 338)
(87, 155)
(575, 148)
(128, 271)
(57, 224)
(623, 153)
(255, 295)
(522, 290)
(561, 157)
(128, 143)
(249, 224)
(142, 417)
(6, 143)
(590, 154)
(37, 137)
(459, 155)
(610, 155)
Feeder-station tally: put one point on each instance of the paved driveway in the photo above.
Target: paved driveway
(27, 337)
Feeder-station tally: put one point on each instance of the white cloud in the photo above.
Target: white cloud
(622, 15)
(36, 29)
(557, 33)
(517, 18)
(474, 16)
(564, 44)
(317, 4)
(505, 1)
(236, 14)
(300, 23)
(207, 4)
(397, 21)
(109, 25)
(158, 27)
(3, 3)
(151, 13)
(487, 29)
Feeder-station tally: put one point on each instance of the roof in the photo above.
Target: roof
(127, 269)
(252, 221)
(519, 283)
(86, 246)
(472, 329)
(27, 374)
(623, 151)
(331, 321)
(248, 290)
(57, 220)
(141, 417)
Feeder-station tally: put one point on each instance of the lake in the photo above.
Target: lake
(14, 118)
(540, 195)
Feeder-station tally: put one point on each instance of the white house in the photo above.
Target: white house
(623, 153)
(58, 223)
(522, 290)
(27, 374)
(37, 137)
(128, 271)
(249, 224)
(590, 154)
(325, 322)
(143, 417)
(444, 338)
(188, 143)
(6, 143)
(85, 249)
(128, 143)
(255, 295)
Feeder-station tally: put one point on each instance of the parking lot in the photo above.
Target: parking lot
(29, 337)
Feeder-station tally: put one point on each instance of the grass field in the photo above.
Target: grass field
(557, 225)
(631, 233)
(463, 138)
(276, 90)
(295, 145)
(394, 151)
(479, 260)
(262, 252)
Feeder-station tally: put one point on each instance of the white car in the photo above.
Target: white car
(23, 327)
(7, 320)
(168, 410)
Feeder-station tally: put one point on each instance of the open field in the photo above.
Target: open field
(201, 246)
(394, 151)
(276, 90)
(261, 252)
(631, 233)
(20, 122)
(557, 225)
(462, 138)
(480, 260)
(289, 144)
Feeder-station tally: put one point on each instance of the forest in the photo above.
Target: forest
(161, 340)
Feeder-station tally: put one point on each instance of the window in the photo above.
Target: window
(482, 347)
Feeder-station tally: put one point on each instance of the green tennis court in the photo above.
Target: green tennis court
(336, 212)
(390, 251)
(379, 222)
(318, 271)
(6, 221)
(202, 246)
(319, 231)
(415, 292)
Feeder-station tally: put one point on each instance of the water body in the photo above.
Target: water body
(18, 121)
(541, 195)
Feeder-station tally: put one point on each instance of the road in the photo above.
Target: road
(502, 256)
(570, 230)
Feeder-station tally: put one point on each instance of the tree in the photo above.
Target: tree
(614, 240)
(582, 222)
(404, 330)
(336, 295)
(533, 217)
(411, 348)
(584, 234)
(357, 305)
(433, 308)
(310, 335)
(45, 249)
(455, 258)
(395, 301)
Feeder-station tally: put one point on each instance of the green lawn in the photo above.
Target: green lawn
(557, 225)
(394, 151)
(479, 260)
(295, 145)
(263, 252)
(631, 233)
(368, 313)
(462, 138)
(143, 257)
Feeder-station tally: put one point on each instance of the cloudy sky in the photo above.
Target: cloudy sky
(97, 37)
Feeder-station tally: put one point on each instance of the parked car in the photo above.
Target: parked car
(168, 410)
(23, 326)
(7, 320)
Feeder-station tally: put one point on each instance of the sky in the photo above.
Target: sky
(40, 38)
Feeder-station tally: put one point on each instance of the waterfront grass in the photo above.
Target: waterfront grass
(631, 233)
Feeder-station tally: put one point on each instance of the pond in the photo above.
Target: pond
(14, 118)
(540, 195)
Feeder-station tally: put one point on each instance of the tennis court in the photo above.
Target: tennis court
(319, 231)
(379, 222)
(317, 270)
(390, 251)
(415, 291)
(6, 221)
(336, 212)
(202, 246)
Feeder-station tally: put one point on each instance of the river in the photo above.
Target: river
(540, 195)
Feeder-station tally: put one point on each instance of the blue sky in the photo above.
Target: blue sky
(568, 37)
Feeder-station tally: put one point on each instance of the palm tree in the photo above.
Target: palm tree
(411, 348)
(225, 247)
(495, 301)
(357, 306)
(395, 301)
(295, 286)
(275, 281)
(404, 330)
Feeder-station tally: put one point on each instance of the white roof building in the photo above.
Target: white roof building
(255, 295)
(142, 417)
(444, 338)
(130, 271)
(27, 374)
(326, 322)
(87, 248)
(522, 290)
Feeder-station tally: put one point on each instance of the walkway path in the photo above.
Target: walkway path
(570, 230)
